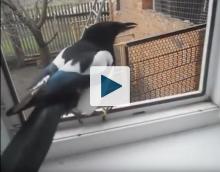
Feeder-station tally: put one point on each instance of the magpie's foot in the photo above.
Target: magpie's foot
(105, 111)
(104, 114)
(78, 116)
(80, 120)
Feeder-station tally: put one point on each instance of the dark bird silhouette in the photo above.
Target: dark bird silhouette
(62, 86)
(67, 77)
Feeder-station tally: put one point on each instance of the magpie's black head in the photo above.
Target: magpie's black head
(105, 32)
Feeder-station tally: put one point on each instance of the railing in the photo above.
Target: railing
(165, 65)
(194, 11)
(67, 20)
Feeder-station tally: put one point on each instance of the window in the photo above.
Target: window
(182, 86)
(168, 64)
(167, 53)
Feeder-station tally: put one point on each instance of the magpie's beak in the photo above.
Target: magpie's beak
(128, 26)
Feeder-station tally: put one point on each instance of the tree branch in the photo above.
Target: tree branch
(43, 14)
(37, 11)
(28, 22)
(23, 10)
(51, 39)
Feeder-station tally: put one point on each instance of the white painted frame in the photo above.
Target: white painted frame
(154, 120)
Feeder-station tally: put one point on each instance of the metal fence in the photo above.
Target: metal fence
(167, 64)
(195, 11)
(67, 20)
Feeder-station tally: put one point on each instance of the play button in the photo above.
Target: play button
(108, 86)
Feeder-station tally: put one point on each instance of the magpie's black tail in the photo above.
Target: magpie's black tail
(31, 143)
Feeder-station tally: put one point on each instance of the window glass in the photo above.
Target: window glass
(164, 52)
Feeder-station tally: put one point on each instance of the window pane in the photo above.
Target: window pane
(164, 52)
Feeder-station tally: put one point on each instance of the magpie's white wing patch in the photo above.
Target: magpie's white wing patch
(59, 61)
(69, 67)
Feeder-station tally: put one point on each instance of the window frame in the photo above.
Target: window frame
(136, 124)
(154, 119)
(9, 91)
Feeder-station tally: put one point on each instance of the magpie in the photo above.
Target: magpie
(66, 79)
(62, 86)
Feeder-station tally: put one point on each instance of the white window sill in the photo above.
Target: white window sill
(98, 134)
(191, 151)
